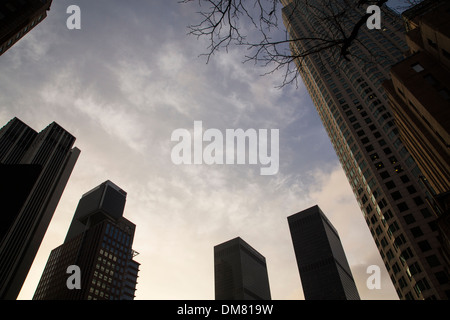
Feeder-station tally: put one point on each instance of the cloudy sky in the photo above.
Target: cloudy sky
(121, 85)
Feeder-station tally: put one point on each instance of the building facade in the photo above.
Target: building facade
(322, 264)
(34, 170)
(419, 94)
(355, 111)
(240, 272)
(18, 17)
(99, 242)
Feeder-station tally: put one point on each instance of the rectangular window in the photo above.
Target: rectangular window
(384, 175)
(411, 189)
(379, 165)
(432, 43)
(431, 80)
(415, 268)
(441, 277)
(390, 185)
(418, 200)
(409, 218)
(445, 53)
(416, 232)
(389, 255)
(433, 261)
(402, 282)
(424, 245)
(417, 67)
(396, 195)
(407, 253)
(444, 93)
(402, 206)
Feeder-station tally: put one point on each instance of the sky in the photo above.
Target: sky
(122, 85)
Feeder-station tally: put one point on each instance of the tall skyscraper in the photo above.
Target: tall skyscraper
(321, 260)
(419, 93)
(34, 170)
(355, 112)
(99, 242)
(18, 17)
(240, 272)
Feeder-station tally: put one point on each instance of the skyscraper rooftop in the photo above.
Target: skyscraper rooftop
(240, 272)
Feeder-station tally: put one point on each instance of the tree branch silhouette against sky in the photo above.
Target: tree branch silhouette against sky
(257, 26)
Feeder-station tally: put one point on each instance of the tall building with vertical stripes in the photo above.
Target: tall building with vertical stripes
(355, 111)
(34, 170)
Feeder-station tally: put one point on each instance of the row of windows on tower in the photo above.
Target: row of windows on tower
(399, 240)
(383, 117)
(390, 260)
(117, 234)
(416, 231)
(108, 274)
(365, 140)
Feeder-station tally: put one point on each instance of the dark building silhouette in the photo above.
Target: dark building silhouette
(240, 272)
(34, 170)
(357, 116)
(99, 242)
(324, 270)
(18, 17)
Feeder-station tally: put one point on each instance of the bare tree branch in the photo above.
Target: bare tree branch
(254, 24)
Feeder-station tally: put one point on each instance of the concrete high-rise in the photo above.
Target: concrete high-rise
(99, 242)
(321, 260)
(17, 18)
(240, 272)
(34, 170)
(419, 93)
(355, 111)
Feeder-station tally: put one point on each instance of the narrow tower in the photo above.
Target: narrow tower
(240, 272)
(321, 260)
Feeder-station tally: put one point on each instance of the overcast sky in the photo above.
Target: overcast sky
(121, 85)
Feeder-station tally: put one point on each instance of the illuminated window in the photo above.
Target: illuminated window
(379, 165)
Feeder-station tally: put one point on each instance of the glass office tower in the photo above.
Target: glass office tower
(354, 109)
